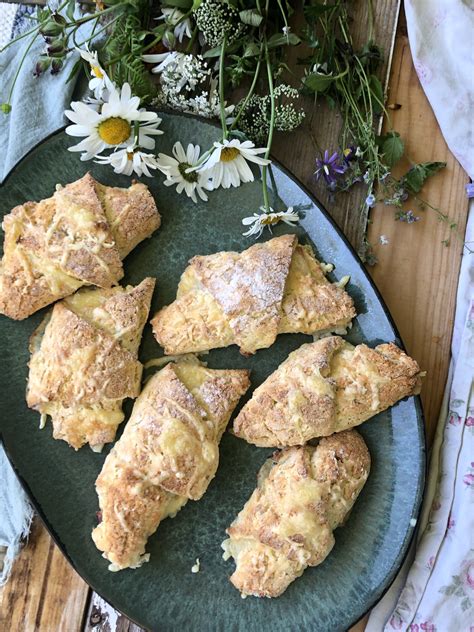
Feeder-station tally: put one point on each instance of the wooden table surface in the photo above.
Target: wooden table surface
(417, 277)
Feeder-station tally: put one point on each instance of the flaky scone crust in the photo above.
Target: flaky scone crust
(76, 237)
(84, 362)
(167, 454)
(324, 387)
(249, 298)
(288, 522)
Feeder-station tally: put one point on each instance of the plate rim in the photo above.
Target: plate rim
(421, 483)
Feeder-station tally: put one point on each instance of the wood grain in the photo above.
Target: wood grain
(416, 275)
(322, 126)
(44, 593)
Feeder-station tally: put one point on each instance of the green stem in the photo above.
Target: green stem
(192, 40)
(221, 90)
(98, 32)
(270, 131)
(283, 13)
(249, 94)
(95, 15)
(19, 67)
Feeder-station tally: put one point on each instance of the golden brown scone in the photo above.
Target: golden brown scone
(84, 362)
(325, 387)
(76, 237)
(303, 494)
(168, 453)
(249, 298)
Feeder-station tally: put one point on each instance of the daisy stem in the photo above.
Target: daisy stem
(249, 94)
(221, 90)
(270, 131)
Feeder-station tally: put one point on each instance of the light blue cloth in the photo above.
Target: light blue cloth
(38, 106)
(38, 103)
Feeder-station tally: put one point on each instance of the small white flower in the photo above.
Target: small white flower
(321, 69)
(286, 30)
(384, 240)
(100, 81)
(171, 58)
(129, 160)
(258, 221)
(178, 171)
(174, 17)
(227, 165)
(112, 126)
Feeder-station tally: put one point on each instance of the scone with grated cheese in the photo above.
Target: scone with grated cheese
(249, 298)
(167, 454)
(77, 237)
(84, 362)
(303, 494)
(325, 387)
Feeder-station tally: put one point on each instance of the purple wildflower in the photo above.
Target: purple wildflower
(470, 190)
(406, 216)
(329, 168)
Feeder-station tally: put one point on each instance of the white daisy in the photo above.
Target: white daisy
(227, 165)
(174, 17)
(100, 81)
(258, 221)
(112, 126)
(178, 171)
(129, 160)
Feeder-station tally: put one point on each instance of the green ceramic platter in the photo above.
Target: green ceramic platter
(164, 594)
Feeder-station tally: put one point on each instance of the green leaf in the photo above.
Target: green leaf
(70, 10)
(251, 17)
(392, 148)
(213, 52)
(317, 10)
(317, 83)
(376, 94)
(415, 178)
(251, 50)
(180, 4)
(278, 39)
(75, 69)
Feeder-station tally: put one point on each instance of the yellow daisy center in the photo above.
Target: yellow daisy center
(229, 153)
(269, 220)
(97, 72)
(115, 130)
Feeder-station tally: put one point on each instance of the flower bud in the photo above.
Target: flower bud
(42, 65)
(59, 19)
(56, 66)
(51, 29)
(6, 108)
(57, 48)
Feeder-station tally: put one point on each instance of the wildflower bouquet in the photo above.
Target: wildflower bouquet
(197, 56)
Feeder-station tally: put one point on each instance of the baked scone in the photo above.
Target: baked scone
(325, 387)
(84, 362)
(303, 494)
(249, 298)
(168, 454)
(77, 237)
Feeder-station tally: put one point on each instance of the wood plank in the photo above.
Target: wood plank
(416, 274)
(321, 129)
(43, 592)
